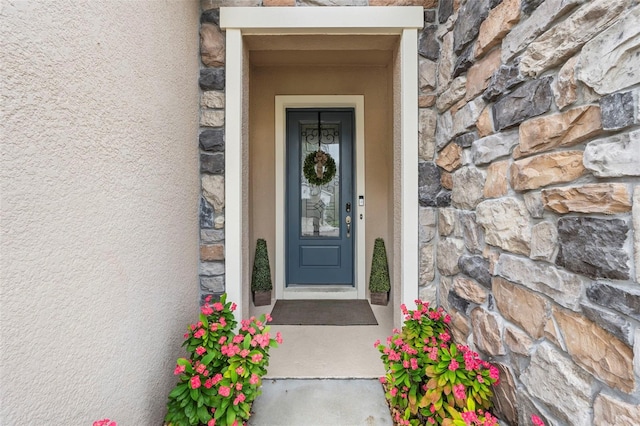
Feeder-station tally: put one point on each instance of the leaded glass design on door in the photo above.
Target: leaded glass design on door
(320, 204)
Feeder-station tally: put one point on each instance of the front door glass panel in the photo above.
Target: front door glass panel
(320, 204)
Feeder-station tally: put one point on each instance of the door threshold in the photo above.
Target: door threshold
(320, 292)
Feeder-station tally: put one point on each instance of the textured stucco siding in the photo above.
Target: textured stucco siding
(99, 195)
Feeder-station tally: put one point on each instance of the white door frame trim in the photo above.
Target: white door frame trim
(404, 21)
(317, 292)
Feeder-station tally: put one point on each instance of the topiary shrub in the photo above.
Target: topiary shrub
(261, 277)
(379, 281)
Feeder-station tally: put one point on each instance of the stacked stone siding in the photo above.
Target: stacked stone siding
(529, 192)
(538, 143)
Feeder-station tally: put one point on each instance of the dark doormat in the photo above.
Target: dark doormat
(323, 312)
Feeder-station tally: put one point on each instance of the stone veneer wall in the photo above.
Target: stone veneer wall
(529, 192)
(530, 174)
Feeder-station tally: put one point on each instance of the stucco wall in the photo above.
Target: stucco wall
(99, 175)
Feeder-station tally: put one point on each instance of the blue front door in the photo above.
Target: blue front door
(319, 221)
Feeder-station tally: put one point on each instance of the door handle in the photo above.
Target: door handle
(348, 222)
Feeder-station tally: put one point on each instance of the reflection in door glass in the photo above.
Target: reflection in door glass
(320, 209)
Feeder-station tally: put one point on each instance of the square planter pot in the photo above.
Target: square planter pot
(262, 298)
(380, 298)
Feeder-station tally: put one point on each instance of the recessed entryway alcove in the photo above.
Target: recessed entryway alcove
(326, 72)
(367, 52)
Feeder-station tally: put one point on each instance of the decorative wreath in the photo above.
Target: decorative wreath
(319, 168)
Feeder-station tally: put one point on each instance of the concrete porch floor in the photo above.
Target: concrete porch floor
(321, 402)
(328, 352)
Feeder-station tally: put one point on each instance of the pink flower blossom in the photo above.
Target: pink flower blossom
(222, 340)
(268, 317)
(256, 358)
(186, 335)
(233, 307)
(453, 365)
(214, 326)
(200, 350)
(238, 386)
(218, 306)
(240, 398)
(254, 379)
(279, 338)
(394, 391)
(217, 378)
(212, 422)
(494, 373)
(459, 391)
(376, 343)
(261, 340)
(209, 383)
(223, 322)
(200, 367)
(206, 309)
(240, 371)
(224, 391)
(489, 420)
(198, 334)
(414, 364)
(405, 363)
(238, 338)
(383, 379)
(537, 421)
(447, 319)
(244, 353)
(104, 422)
(195, 382)
(469, 417)
(179, 369)
(230, 350)
(433, 355)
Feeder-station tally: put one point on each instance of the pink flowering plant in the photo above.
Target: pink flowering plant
(430, 379)
(222, 375)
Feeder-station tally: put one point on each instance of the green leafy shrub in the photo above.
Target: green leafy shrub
(431, 380)
(223, 374)
(261, 275)
(379, 281)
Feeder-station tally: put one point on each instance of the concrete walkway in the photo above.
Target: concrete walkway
(321, 402)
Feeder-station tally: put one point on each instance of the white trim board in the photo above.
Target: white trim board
(237, 22)
(319, 101)
(322, 20)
